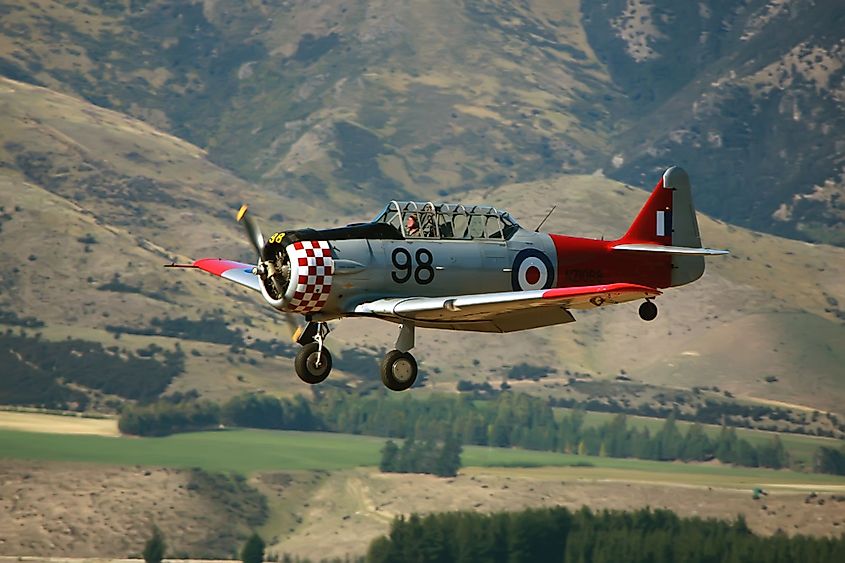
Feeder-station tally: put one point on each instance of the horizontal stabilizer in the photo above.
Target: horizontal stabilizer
(645, 247)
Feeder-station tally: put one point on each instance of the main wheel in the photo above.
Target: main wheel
(648, 311)
(306, 363)
(398, 370)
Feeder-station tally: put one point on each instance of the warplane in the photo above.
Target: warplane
(455, 266)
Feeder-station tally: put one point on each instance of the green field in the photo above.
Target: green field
(248, 451)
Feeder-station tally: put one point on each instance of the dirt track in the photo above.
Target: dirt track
(68, 510)
(351, 508)
(76, 510)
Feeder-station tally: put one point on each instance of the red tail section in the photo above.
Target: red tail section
(654, 221)
(668, 219)
(662, 248)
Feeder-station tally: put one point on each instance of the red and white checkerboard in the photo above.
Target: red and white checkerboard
(313, 268)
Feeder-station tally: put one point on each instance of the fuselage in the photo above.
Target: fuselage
(363, 270)
(423, 249)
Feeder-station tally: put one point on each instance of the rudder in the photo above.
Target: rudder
(668, 218)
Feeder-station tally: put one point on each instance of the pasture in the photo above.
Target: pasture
(252, 451)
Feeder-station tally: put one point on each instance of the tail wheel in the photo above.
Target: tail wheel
(312, 365)
(648, 311)
(398, 370)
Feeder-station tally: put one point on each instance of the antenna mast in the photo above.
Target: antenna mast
(537, 230)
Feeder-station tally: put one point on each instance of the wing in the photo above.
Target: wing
(506, 311)
(237, 272)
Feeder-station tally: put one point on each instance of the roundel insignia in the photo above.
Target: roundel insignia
(532, 270)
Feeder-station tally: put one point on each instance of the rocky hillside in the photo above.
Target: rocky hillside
(764, 322)
(103, 200)
(154, 121)
(345, 101)
(350, 102)
(749, 94)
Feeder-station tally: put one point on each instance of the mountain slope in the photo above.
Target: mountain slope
(749, 94)
(773, 308)
(341, 101)
(93, 201)
(85, 233)
(352, 103)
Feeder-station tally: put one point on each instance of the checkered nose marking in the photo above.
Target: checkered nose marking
(313, 268)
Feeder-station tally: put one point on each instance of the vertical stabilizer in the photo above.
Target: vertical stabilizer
(654, 221)
(668, 218)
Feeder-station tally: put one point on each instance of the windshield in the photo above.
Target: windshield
(454, 221)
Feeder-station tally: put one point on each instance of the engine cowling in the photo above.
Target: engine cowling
(300, 279)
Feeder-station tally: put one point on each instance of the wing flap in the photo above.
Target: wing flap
(237, 272)
(490, 306)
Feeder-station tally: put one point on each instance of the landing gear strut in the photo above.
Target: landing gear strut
(399, 368)
(648, 311)
(313, 362)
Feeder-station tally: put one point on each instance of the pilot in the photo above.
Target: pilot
(412, 226)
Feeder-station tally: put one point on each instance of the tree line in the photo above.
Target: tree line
(557, 534)
(519, 420)
(186, 414)
(829, 460)
(511, 420)
(712, 411)
(441, 459)
(48, 373)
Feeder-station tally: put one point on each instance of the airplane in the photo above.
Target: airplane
(462, 267)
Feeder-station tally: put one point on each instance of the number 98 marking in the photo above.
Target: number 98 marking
(404, 267)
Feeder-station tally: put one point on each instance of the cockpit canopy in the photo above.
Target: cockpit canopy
(415, 219)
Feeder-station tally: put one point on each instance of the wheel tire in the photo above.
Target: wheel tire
(648, 311)
(306, 360)
(398, 370)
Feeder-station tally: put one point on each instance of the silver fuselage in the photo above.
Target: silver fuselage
(366, 270)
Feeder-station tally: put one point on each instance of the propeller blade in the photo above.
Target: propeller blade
(294, 327)
(253, 231)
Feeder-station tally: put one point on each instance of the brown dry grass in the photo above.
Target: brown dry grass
(57, 424)
(27, 559)
(76, 510)
(756, 314)
(350, 509)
